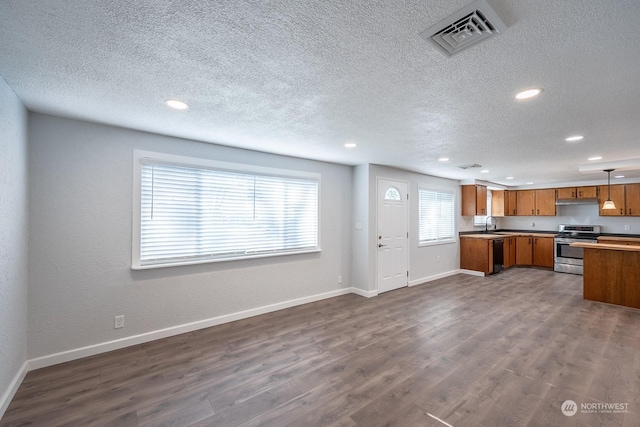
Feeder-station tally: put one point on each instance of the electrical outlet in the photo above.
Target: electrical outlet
(118, 322)
(339, 279)
(626, 227)
(533, 224)
(438, 258)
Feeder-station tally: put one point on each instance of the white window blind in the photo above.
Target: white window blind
(194, 214)
(436, 216)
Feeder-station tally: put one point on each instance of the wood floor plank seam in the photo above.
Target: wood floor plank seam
(487, 351)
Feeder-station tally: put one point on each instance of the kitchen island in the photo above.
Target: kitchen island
(611, 273)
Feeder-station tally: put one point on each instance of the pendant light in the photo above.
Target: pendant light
(608, 204)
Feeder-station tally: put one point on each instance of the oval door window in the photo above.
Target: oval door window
(392, 194)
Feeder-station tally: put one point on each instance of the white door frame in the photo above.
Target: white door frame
(375, 234)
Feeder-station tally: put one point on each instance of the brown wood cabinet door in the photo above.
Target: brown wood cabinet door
(512, 248)
(506, 251)
(566, 193)
(526, 202)
(481, 200)
(512, 196)
(543, 252)
(632, 199)
(524, 250)
(587, 192)
(468, 194)
(474, 254)
(498, 206)
(617, 196)
(546, 202)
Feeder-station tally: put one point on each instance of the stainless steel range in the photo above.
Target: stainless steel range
(568, 259)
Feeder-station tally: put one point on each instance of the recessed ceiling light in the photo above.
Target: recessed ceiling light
(529, 93)
(484, 171)
(351, 145)
(509, 177)
(595, 158)
(619, 176)
(178, 105)
(529, 183)
(443, 159)
(574, 138)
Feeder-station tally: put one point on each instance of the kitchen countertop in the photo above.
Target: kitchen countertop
(616, 238)
(502, 234)
(606, 246)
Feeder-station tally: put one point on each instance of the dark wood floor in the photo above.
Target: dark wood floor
(470, 351)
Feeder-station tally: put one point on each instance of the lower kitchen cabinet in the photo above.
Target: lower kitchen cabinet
(536, 251)
(524, 250)
(476, 255)
(543, 252)
(509, 251)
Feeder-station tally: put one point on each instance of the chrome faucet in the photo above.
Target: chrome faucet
(490, 220)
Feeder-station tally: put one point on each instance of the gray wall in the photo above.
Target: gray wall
(427, 261)
(13, 236)
(80, 257)
(576, 214)
(424, 262)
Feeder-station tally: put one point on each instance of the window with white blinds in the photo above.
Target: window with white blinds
(436, 216)
(192, 214)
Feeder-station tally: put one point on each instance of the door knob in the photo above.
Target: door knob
(381, 245)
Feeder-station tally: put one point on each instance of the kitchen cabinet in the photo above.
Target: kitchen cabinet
(617, 196)
(526, 202)
(543, 252)
(545, 200)
(498, 203)
(590, 192)
(566, 193)
(524, 250)
(632, 199)
(509, 251)
(474, 200)
(476, 254)
(503, 203)
(512, 206)
(535, 251)
(587, 192)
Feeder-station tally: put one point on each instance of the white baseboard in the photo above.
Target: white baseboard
(66, 356)
(472, 272)
(13, 387)
(423, 280)
(363, 293)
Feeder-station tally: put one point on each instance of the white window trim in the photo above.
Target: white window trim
(454, 239)
(172, 159)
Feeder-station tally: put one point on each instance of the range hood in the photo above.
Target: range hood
(568, 202)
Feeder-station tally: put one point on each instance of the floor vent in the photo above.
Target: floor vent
(471, 166)
(463, 29)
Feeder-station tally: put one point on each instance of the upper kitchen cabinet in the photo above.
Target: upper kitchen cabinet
(590, 192)
(536, 202)
(617, 196)
(503, 203)
(632, 199)
(474, 200)
(526, 202)
(546, 202)
(577, 192)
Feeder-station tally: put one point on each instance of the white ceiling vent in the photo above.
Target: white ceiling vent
(463, 29)
(470, 166)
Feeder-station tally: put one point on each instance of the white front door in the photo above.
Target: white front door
(392, 239)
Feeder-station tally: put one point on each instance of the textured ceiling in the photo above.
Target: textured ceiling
(301, 78)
